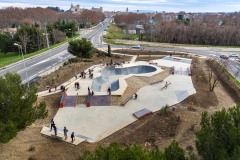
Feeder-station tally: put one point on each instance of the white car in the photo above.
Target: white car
(234, 55)
(137, 46)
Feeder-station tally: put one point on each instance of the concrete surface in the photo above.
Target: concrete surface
(97, 122)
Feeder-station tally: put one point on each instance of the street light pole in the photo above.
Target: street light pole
(24, 64)
(46, 34)
(71, 30)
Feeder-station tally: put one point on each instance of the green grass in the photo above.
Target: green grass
(234, 79)
(114, 32)
(9, 58)
(111, 41)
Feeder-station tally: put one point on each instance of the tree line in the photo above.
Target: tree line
(14, 17)
(34, 37)
(204, 29)
(36, 26)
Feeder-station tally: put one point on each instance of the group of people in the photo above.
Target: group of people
(63, 88)
(90, 91)
(77, 85)
(65, 131)
(83, 74)
(118, 63)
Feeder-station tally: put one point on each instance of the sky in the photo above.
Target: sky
(133, 5)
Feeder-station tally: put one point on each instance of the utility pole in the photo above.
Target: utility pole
(46, 34)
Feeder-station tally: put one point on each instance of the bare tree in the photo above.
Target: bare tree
(212, 80)
(24, 38)
(58, 36)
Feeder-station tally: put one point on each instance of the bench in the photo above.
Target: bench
(56, 137)
(142, 113)
(126, 100)
(156, 82)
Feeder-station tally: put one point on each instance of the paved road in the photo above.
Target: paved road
(233, 66)
(52, 58)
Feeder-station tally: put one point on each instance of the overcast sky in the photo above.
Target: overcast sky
(121, 5)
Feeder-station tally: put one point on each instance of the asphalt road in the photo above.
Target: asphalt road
(40, 64)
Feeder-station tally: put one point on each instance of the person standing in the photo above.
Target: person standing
(52, 123)
(65, 132)
(73, 137)
(88, 90)
(135, 96)
(55, 129)
(109, 91)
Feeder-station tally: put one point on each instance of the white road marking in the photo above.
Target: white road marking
(32, 76)
(41, 71)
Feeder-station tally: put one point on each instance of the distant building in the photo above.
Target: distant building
(126, 9)
(12, 31)
(100, 9)
(75, 9)
(139, 29)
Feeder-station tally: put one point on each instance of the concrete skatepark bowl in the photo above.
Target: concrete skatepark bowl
(111, 75)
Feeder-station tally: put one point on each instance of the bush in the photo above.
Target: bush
(88, 60)
(115, 152)
(173, 152)
(41, 111)
(219, 134)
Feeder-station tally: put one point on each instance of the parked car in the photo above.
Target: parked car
(224, 56)
(233, 55)
(137, 46)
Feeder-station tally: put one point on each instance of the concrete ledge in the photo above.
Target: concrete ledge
(46, 131)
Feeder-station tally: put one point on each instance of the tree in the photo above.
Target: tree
(173, 152)
(109, 50)
(6, 41)
(81, 48)
(212, 80)
(218, 137)
(114, 151)
(17, 106)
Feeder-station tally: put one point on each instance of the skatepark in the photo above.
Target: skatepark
(98, 118)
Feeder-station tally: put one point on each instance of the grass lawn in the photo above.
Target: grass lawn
(234, 79)
(114, 32)
(9, 58)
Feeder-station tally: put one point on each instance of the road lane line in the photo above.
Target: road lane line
(32, 76)
(41, 71)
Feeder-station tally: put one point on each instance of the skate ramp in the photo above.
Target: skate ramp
(111, 71)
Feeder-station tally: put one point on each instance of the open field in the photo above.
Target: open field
(115, 32)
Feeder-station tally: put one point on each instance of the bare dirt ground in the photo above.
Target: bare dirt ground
(158, 129)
